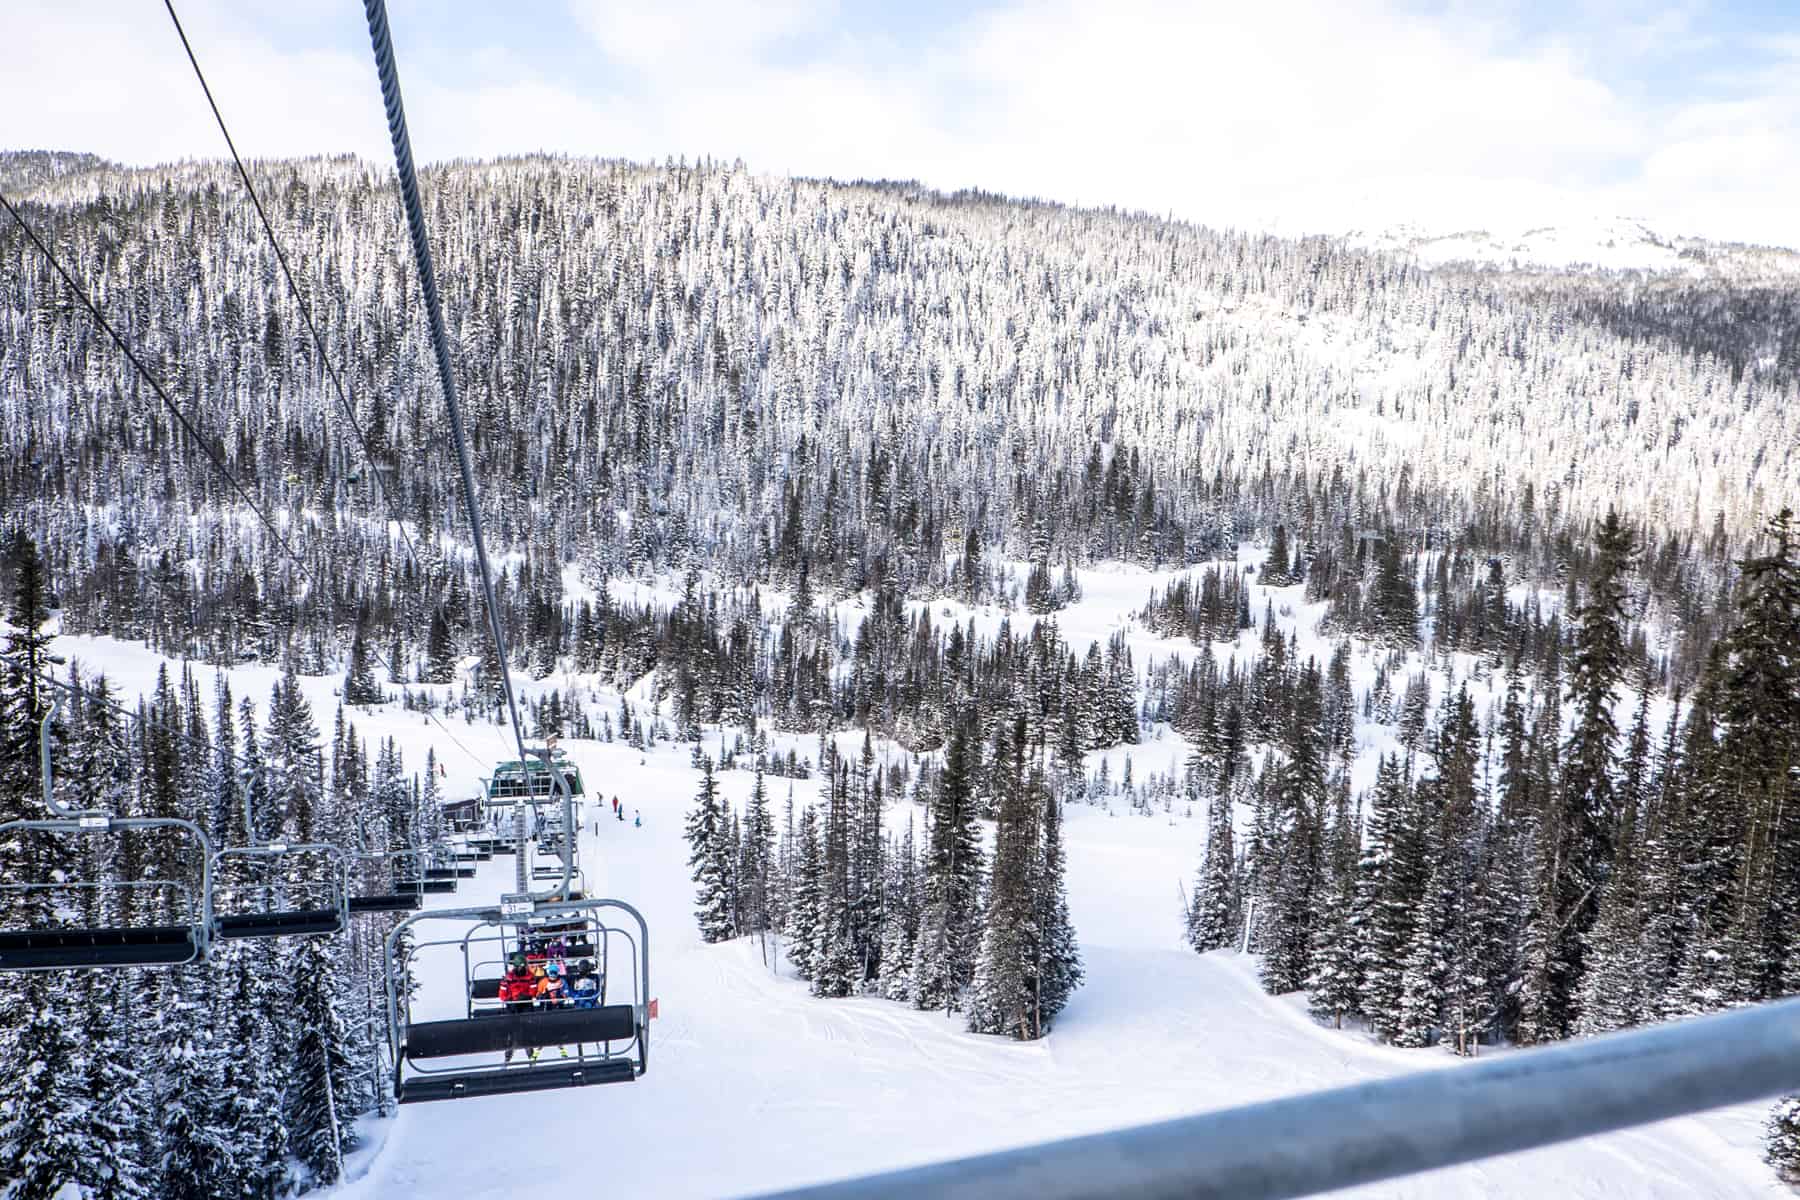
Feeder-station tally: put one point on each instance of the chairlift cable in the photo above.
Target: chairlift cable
(294, 287)
(318, 339)
(156, 384)
(382, 45)
(192, 431)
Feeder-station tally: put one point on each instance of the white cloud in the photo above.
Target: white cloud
(1310, 114)
(111, 78)
(671, 38)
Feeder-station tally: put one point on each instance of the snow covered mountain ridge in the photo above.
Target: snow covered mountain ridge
(1580, 244)
(1209, 355)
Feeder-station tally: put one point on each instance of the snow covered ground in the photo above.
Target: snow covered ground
(754, 1085)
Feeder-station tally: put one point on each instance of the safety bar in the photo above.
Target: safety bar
(1392, 1127)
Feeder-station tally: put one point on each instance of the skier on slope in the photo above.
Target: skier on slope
(638, 820)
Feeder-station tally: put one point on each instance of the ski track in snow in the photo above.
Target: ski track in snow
(754, 1085)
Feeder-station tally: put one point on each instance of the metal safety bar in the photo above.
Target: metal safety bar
(1320, 1142)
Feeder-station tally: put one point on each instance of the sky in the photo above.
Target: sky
(1291, 115)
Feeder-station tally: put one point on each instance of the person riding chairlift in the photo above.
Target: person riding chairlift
(518, 989)
(553, 989)
(584, 988)
(553, 993)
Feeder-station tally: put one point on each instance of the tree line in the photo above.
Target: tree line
(1550, 872)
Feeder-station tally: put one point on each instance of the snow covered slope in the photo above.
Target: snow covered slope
(755, 1085)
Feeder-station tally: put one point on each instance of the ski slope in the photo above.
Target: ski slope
(754, 1085)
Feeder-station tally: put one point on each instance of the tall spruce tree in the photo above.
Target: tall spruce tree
(1760, 744)
(834, 965)
(1611, 994)
(1060, 969)
(802, 900)
(707, 859)
(1579, 831)
(945, 952)
(1001, 996)
(1392, 878)
(756, 865)
(1334, 987)
(900, 918)
(1295, 842)
(360, 684)
(1212, 919)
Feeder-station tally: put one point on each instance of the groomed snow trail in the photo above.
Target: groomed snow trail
(754, 1085)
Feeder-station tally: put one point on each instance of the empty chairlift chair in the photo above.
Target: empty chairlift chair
(421, 872)
(280, 890)
(121, 922)
(387, 882)
(547, 862)
(492, 1048)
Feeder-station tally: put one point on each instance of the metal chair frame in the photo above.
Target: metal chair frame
(335, 882)
(414, 888)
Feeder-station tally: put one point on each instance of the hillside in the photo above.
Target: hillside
(648, 327)
(23, 172)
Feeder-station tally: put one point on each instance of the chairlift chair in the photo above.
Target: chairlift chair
(440, 864)
(401, 873)
(53, 947)
(318, 903)
(59, 947)
(433, 1058)
(547, 856)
